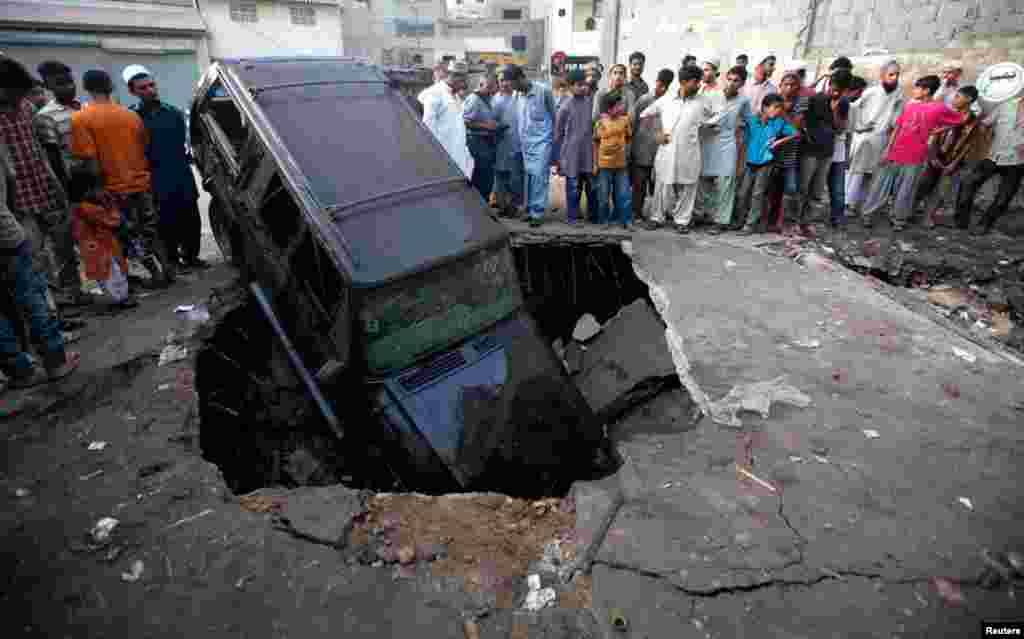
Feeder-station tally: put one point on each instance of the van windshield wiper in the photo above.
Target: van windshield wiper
(338, 211)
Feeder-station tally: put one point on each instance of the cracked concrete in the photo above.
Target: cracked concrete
(840, 513)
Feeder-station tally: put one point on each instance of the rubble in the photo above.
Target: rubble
(756, 397)
(586, 328)
(629, 362)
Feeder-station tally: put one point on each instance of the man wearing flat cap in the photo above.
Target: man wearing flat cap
(442, 114)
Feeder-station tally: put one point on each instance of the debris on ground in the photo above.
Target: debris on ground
(102, 529)
(172, 353)
(489, 541)
(586, 328)
(871, 433)
(756, 397)
(966, 503)
(187, 520)
(260, 503)
(950, 297)
(134, 573)
(746, 474)
(618, 620)
(628, 363)
(538, 598)
(21, 492)
(97, 446)
(951, 390)
(970, 358)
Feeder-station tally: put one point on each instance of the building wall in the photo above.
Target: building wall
(273, 34)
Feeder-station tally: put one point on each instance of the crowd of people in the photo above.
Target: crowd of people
(728, 146)
(88, 183)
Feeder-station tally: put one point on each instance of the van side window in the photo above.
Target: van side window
(223, 116)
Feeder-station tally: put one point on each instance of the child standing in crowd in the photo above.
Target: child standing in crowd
(766, 132)
(905, 157)
(96, 222)
(793, 110)
(947, 154)
(612, 134)
(573, 139)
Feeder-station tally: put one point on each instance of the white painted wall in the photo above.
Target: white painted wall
(274, 34)
(566, 31)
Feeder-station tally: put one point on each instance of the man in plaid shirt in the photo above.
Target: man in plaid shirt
(38, 197)
(23, 166)
(52, 125)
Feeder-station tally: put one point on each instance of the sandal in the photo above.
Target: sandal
(71, 363)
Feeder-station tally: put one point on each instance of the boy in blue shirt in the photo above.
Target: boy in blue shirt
(766, 132)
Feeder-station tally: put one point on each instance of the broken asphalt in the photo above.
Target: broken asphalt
(838, 534)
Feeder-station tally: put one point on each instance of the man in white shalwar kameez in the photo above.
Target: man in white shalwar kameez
(440, 78)
(871, 120)
(678, 163)
(442, 113)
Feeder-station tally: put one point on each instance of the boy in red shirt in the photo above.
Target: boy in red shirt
(907, 153)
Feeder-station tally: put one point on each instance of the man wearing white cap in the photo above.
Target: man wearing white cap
(174, 185)
(442, 114)
(871, 120)
(709, 83)
(951, 72)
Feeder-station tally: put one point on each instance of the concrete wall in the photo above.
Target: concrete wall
(274, 33)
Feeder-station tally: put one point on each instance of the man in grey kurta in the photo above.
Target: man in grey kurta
(871, 120)
(720, 150)
(574, 136)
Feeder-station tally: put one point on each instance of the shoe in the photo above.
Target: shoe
(748, 230)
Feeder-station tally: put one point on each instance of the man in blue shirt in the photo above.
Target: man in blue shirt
(482, 134)
(766, 132)
(537, 134)
(174, 186)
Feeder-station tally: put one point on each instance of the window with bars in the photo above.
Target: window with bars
(244, 11)
(303, 15)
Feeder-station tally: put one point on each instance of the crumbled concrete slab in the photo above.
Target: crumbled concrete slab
(586, 328)
(323, 512)
(628, 363)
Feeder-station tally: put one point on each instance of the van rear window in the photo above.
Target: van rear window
(419, 315)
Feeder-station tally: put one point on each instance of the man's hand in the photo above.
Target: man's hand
(663, 138)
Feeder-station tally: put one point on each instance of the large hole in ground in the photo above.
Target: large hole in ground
(260, 428)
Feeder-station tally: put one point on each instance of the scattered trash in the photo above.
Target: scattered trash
(796, 459)
(190, 519)
(756, 397)
(406, 555)
(754, 478)
(1016, 560)
(951, 390)
(102, 529)
(966, 503)
(533, 582)
(618, 620)
(586, 328)
(1004, 262)
(95, 473)
(839, 376)
(964, 355)
(97, 445)
(808, 343)
(906, 247)
(260, 503)
(921, 600)
(471, 629)
(870, 433)
(949, 297)
(730, 264)
(871, 248)
(539, 599)
(821, 460)
(21, 492)
(184, 308)
(163, 387)
(173, 353)
(1001, 325)
(135, 572)
(998, 563)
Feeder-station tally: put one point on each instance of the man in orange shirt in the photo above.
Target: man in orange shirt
(111, 141)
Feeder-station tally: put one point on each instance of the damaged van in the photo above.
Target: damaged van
(392, 286)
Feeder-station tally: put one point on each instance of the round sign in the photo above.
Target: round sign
(1000, 82)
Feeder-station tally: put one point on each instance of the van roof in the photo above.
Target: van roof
(397, 201)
